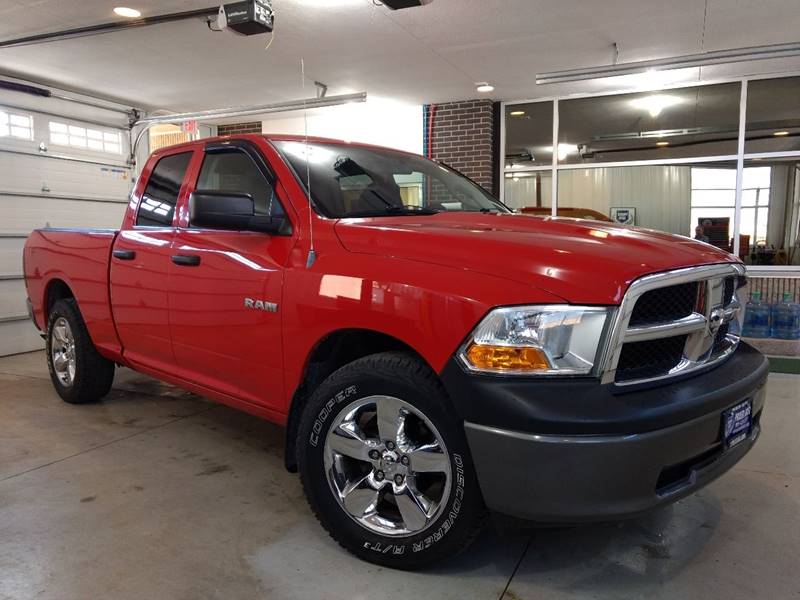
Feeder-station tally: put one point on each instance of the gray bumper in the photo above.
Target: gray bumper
(572, 479)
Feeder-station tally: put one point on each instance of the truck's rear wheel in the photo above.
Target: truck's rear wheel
(79, 374)
(385, 464)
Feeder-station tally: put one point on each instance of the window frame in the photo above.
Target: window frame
(104, 132)
(251, 151)
(10, 112)
(179, 151)
(740, 157)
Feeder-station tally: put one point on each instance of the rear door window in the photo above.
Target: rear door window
(157, 206)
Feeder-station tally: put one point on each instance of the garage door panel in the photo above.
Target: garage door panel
(67, 174)
(11, 255)
(34, 174)
(19, 336)
(24, 213)
(12, 298)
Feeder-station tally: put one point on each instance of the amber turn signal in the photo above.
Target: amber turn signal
(506, 358)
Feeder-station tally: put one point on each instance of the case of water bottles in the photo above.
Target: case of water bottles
(780, 320)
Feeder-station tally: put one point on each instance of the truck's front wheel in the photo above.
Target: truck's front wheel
(79, 374)
(385, 465)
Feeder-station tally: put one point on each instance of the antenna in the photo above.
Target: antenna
(312, 253)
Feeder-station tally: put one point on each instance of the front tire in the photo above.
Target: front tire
(78, 372)
(385, 463)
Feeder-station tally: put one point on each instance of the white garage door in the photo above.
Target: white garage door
(55, 170)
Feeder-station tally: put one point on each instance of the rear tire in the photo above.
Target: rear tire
(78, 372)
(404, 499)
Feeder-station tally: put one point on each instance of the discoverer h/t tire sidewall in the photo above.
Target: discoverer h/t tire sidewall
(407, 378)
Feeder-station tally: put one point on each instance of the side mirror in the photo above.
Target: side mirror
(233, 211)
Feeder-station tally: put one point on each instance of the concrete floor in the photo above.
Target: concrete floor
(156, 493)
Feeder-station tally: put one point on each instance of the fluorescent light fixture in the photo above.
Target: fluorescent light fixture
(656, 103)
(128, 13)
(517, 113)
(662, 143)
(484, 88)
(565, 150)
(781, 133)
(717, 57)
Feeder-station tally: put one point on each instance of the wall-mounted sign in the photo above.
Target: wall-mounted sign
(623, 215)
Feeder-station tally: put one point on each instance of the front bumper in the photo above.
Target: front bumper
(578, 467)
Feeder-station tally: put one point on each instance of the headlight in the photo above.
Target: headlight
(537, 340)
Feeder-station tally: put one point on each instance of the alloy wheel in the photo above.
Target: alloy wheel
(387, 466)
(62, 352)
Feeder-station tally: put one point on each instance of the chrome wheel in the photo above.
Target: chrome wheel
(62, 351)
(387, 466)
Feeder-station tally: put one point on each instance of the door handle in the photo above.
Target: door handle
(186, 260)
(124, 254)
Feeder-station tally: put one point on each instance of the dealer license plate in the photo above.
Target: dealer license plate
(737, 423)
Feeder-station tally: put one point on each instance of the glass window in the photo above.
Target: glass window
(679, 123)
(16, 125)
(157, 205)
(714, 205)
(529, 191)
(236, 172)
(773, 115)
(529, 135)
(83, 137)
(654, 196)
(350, 181)
(771, 212)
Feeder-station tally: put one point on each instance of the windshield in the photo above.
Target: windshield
(350, 181)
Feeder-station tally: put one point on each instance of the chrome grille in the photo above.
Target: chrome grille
(673, 323)
(665, 304)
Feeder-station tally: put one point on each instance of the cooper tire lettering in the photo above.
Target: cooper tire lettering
(326, 411)
(405, 378)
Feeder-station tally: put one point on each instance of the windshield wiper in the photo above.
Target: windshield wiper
(394, 210)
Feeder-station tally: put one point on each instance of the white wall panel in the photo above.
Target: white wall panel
(376, 121)
(660, 194)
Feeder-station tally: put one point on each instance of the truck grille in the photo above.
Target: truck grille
(665, 304)
(651, 358)
(675, 322)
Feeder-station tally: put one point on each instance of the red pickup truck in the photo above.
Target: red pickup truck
(434, 357)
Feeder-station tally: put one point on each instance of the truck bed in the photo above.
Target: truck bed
(80, 259)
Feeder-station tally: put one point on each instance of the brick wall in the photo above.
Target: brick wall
(463, 137)
(233, 128)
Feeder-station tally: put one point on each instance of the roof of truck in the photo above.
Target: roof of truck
(276, 137)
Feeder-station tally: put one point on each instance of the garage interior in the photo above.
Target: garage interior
(159, 493)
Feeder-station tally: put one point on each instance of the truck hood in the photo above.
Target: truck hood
(586, 262)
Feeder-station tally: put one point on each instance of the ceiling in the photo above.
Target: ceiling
(430, 54)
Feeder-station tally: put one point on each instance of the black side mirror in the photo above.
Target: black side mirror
(233, 211)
